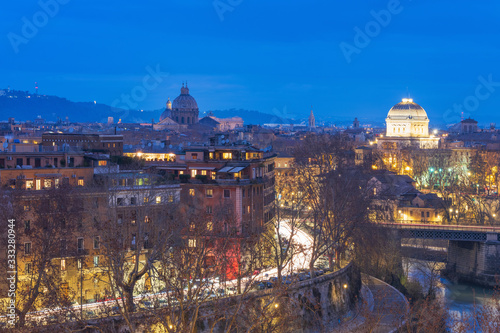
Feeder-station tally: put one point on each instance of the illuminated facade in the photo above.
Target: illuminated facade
(407, 125)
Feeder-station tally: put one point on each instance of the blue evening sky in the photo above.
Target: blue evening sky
(272, 56)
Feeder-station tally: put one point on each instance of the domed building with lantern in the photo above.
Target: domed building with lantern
(407, 125)
(183, 111)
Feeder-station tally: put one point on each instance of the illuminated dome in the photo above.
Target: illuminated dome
(184, 102)
(407, 119)
(407, 109)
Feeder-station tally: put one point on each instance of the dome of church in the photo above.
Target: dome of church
(184, 102)
(407, 109)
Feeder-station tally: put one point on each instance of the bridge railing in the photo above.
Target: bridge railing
(422, 226)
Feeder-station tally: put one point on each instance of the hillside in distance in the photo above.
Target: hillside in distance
(23, 106)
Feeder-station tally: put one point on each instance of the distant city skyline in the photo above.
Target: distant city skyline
(346, 60)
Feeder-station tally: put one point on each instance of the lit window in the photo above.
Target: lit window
(47, 183)
(211, 156)
(192, 242)
(203, 172)
(170, 198)
(227, 156)
(79, 263)
(191, 192)
(210, 226)
(80, 181)
(96, 261)
(158, 199)
(147, 219)
(29, 184)
(194, 156)
(63, 264)
(146, 199)
(192, 227)
(103, 163)
(209, 193)
(213, 175)
(193, 173)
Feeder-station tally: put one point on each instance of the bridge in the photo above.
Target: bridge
(473, 250)
(472, 233)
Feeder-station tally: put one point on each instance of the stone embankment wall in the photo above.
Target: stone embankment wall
(476, 262)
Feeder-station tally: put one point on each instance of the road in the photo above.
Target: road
(299, 261)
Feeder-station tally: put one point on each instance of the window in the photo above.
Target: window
(192, 227)
(209, 192)
(422, 214)
(211, 156)
(213, 175)
(27, 225)
(102, 163)
(96, 242)
(146, 199)
(63, 245)
(80, 244)
(243, 193)
(132, 242)
(194, 156)
(210, 226)
(28, 268)
(120, 201)
(133, 201)
(158, 199)
(81, 181)
(192, 242)
(29, 184)
(26, 208)
(248, 209)
(79, 263)
(193, 173)
(96, 261)
(133, 217)
(227, 156)
(119, 218)
(203, 172)
(227, 193)
(170, 198)
(27, 248)
(47, 183)
(63, 264)
(191, 192)
(428, 214)
(147, 219)
(209, 209)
